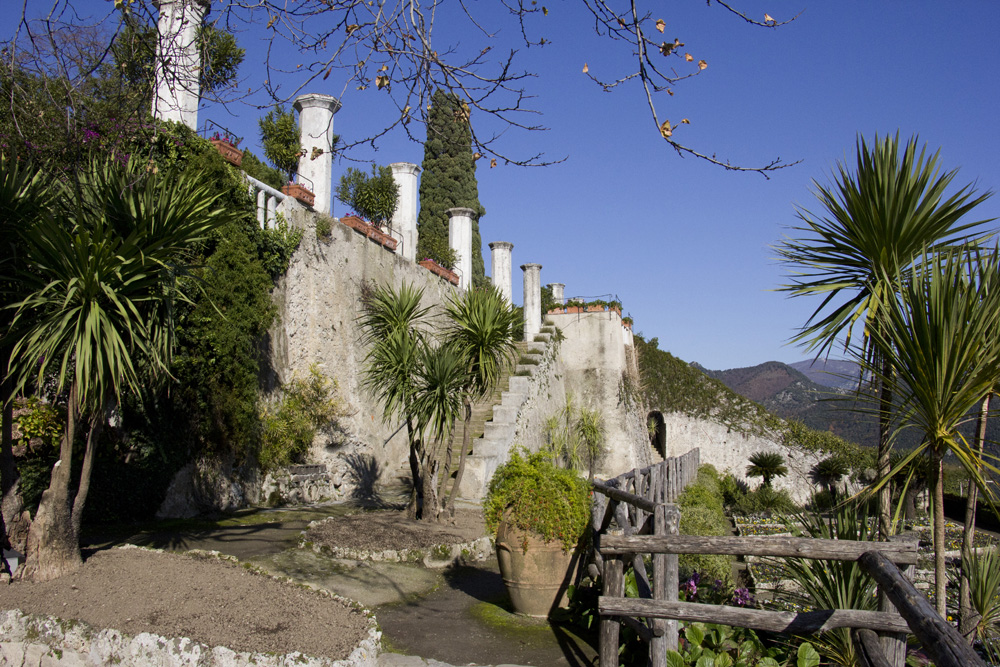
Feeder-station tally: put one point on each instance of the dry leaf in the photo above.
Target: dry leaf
(585, 68)
(327, 75)
(666, 130)
(768, 19)
(545, 10)
(688, 57)
(271, 21)
(493, 163)
(660, 24)
(666, 48)
(383, 68)
(381, 81)
(476, 156)
(685, 121)
(702, 64)
(621, 23)
(351, 28)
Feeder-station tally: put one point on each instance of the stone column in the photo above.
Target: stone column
(316, 131)
(532, 300)
(500, 267)
(404, 220)
(460, 240)
(178, 61)
(558, 293)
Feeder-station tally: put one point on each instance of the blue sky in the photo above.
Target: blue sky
(686, 245)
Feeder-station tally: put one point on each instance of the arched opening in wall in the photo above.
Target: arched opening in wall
(657, 430)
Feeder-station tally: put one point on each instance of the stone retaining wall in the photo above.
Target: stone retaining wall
(33, 641)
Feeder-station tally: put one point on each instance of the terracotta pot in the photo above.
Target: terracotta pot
(231, 153)
(596, 309)
(574, 310)
(300, 193)
(439, 270)
(537, 578)
(371, 231)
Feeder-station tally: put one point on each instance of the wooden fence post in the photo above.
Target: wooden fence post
(894, 644)
(614, 586)
(671, 579)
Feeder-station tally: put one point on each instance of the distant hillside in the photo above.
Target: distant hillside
(836, 373)
(791, 395)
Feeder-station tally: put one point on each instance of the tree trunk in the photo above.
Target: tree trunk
(446, 475)
(466, 444)
(412, 508)
(884, 497)
(53, 548)
(968, 618)
(96, 428)
(940, 576)
(430, 477)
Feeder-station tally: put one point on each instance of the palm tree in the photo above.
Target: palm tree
(25, 192)
(767, 465)
(828, 473)
(481, 328)
(391, 324)
(877, 222)
(436, 406)
(932, 336)
(100, 277)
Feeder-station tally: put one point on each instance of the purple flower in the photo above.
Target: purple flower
(742, 597)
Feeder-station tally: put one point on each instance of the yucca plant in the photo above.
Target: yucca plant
(831, 584)
(95, 310)
(876, 221)
(983, 573)
(933, 336)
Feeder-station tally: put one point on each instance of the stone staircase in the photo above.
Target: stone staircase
(494, 420)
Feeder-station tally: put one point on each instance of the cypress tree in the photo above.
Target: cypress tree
(448, 181)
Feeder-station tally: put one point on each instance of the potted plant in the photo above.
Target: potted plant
(539, 514)
(374, 197)
(228, 146)
(279, 134)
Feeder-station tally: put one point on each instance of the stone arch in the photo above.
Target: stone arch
(657, 430)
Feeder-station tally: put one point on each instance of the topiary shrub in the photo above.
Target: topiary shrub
(536, 496)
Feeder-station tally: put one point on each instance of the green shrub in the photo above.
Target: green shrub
(702, 515)
(324, 226)
(766, 500)
(536, 496)
(290, 424)
(372, 197)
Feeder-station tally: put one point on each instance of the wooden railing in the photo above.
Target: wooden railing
(648, 523)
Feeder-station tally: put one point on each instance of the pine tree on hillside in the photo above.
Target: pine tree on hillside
(448, 180)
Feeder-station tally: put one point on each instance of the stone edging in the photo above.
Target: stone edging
(437, 556)
(27, 639)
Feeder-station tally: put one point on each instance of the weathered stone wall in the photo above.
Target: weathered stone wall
(601, 374)
(729, 451)
(318, 305)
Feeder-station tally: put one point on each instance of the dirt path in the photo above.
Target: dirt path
(454, 616)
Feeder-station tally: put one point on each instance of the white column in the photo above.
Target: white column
(178, 61)
(500, 266)
(316, 132)
(532, 300)
(404, 220)
(558, 293)
(460, 240)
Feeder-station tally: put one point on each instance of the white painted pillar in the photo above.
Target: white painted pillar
(532, 300)
(558, 293)
(404, 219)
(178, 61)
(500, 267)
(316, 132)
(460, 240)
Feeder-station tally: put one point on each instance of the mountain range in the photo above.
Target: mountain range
(821, 394)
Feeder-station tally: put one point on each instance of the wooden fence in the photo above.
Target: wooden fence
(640, 504)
